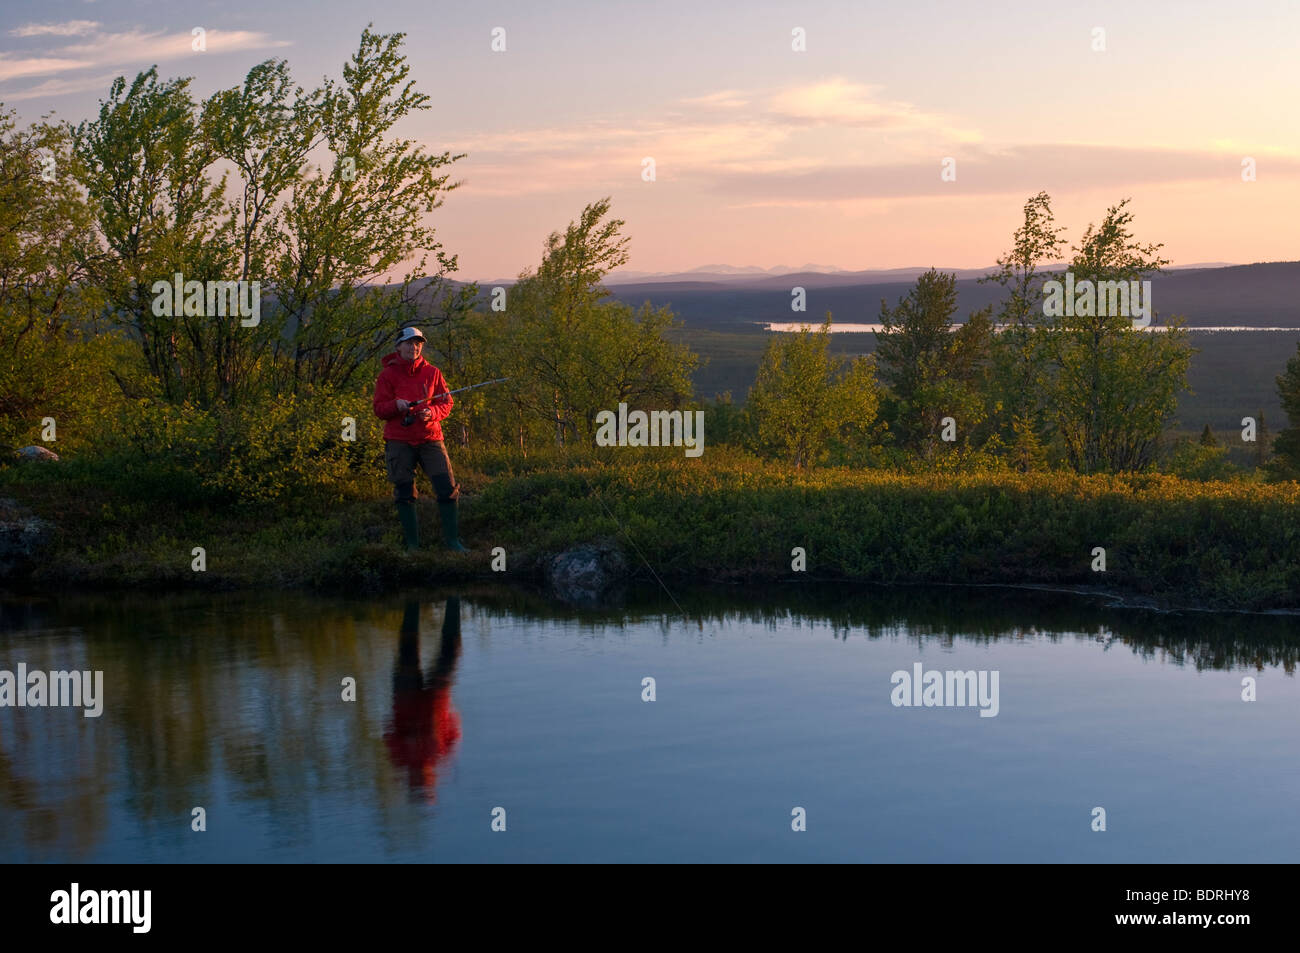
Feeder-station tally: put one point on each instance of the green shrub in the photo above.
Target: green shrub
(277, 448)
(1230, 544)
(1200, 461)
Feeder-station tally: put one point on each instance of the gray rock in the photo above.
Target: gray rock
(38, 453)
(585, 575)
(22, 538)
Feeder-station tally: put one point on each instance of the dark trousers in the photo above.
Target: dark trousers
(431, 456)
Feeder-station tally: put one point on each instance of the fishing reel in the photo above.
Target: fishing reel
(410, 411)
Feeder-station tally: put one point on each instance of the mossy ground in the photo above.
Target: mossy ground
(724, 516)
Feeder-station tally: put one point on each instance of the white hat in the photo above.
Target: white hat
(409, 334)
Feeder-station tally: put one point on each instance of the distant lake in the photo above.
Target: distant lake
(766, 702)
(876, 328)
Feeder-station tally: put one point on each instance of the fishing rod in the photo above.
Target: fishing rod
(410, 419)
(471, 387)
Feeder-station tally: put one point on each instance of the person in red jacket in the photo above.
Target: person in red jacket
(413, 398)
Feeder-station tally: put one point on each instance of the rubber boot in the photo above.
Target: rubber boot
(450, 530)
(406, 514)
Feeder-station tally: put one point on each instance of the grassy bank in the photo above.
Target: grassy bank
(724, 516)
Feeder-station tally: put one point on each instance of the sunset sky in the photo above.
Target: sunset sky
(766, 156)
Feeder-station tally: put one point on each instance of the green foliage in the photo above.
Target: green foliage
(1201, 461)
(1026, 453)
(1285, 464)
(347, 227)
(803, 399)
(1037, 243)
(1114, 392)
(204, 407)
(53, 362)
(289, 448)
(1113, 387)
(67, 377)
(571, 351)
(317, 240)
(931, 368)
(144, 164)
(1016, 381)
(728, 423)
(1093, 391)
(1222, 544)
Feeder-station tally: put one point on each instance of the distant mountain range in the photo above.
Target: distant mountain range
(720, 273)
(816, 275)
(1259, 295)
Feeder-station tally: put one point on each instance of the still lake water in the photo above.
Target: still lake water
(765, 701)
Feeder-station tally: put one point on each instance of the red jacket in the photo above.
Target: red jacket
(410, 380)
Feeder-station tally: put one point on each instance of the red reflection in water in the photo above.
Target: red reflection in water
(425, 727)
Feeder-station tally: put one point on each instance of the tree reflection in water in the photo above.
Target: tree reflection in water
(232, 700)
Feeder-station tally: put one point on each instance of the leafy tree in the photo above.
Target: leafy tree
(1207, 437)
(1021, 271)
(572, 351)
(323, 241)
(1026, 453)
(545, 314)
(348, 227)
(1114, 387)
(803, 398)
(932, 368)
(143, 162)
(54, 359)
(1285, 464)
(1017, 359)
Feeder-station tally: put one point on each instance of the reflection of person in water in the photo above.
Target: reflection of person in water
(425, 727)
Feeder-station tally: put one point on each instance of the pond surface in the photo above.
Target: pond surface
(487, 706)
